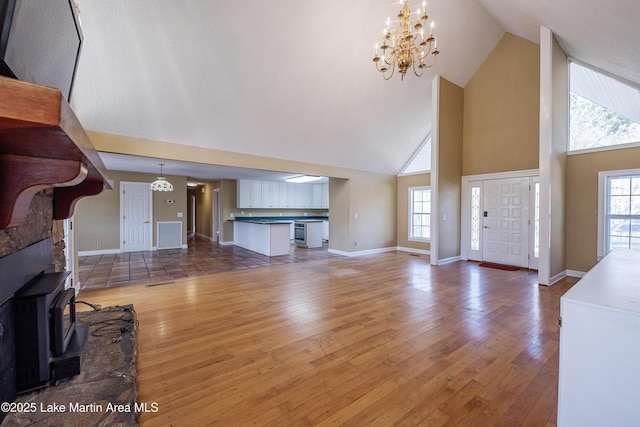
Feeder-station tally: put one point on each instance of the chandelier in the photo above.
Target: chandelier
(161, 184)
(406, 46)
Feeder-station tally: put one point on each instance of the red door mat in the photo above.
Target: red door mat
(499, 266)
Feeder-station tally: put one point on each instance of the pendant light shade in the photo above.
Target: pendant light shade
(161, 184)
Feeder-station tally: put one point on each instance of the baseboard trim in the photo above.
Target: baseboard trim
(204, 236)
(360, 253)
(575, 273)
(413, 250)
(226, 243)
(100, 252)
(555, 279)
(449, 260)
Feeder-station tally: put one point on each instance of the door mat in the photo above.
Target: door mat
(499, 266)
(105, 392)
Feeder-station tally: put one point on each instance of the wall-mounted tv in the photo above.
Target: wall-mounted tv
(40, 42)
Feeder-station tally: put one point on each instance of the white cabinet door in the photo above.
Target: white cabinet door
(287, 195)
(249, 193)
(303, 196)
(325, 230)
(270, 194)
(324, 204)
(316, 196)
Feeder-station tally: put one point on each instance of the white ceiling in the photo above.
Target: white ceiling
(295, 80)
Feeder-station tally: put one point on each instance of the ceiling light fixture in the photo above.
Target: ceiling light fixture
(303, 178)
(161, 184)
(406, 46)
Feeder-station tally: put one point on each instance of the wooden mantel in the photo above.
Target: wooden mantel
(42, 144)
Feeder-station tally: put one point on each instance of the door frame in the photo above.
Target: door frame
(465, 215)
(215, 215)
(150, 225)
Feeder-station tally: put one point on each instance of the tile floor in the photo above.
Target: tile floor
(202, 257)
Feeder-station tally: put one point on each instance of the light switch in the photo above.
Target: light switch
(179, 214)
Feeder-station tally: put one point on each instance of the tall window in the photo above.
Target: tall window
(622, 212)
(603, 111)
(475, 218)
(420, 213)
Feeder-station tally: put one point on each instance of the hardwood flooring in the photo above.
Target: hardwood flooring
(378, 340)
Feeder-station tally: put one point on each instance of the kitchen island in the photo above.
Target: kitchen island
(270, 238)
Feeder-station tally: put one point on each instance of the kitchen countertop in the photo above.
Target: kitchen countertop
(266, 221)
(287, 219)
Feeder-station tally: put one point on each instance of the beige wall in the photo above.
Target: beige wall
(450, 150)
(340, 220)
(501, 110)
(97, 218)
(204, 208)
(558, 162)
(582, 201)
(371, 195)
(404, 183)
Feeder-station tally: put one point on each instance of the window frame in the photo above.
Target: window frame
(603, 191)
(411, 237)
(617, 146)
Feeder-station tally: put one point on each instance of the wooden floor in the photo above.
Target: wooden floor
(378, 340)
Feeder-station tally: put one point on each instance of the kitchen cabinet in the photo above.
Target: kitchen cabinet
(304, 196)
(599, 379)
(316, 196)
(287, 195)
(320, 196)
(325, 231)
(249, 193)
(324, 196)
(267, 238)
(270, 194)
(281, 195)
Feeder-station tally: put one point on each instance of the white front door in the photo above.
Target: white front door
(135, 205)
(506, 221)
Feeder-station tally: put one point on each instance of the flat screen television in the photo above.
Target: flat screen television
(40, 42)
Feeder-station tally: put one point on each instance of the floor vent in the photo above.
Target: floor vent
(169, 234)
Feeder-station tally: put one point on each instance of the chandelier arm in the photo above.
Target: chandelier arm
(392, 67)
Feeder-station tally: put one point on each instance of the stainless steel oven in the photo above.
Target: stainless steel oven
(300, 233)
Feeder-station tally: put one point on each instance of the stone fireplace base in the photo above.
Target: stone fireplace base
(105, 392)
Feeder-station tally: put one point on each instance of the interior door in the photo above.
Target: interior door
(135, 203)
(506, 221)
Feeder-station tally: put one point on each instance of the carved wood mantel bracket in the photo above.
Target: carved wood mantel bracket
(42, 144)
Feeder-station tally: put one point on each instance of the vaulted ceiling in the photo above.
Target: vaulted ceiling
(295, 80)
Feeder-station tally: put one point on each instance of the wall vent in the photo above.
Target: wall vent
(169, 234)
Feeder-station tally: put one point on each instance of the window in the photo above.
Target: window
(622, 213)
(420, 213)
(603, 111)
(475, 218)
(421, 160)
